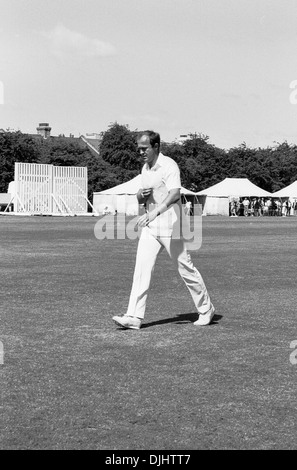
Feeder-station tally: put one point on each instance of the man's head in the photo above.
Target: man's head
(149, 146)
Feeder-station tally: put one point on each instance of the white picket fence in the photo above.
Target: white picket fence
(50, 190)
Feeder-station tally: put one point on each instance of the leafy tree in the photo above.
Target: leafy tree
(62, 151)
(59, 151)
(201, 164)
(283, 165)
(14, 147)
(101, 175)
(119, 148)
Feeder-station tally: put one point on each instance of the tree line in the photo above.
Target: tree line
(202, 164)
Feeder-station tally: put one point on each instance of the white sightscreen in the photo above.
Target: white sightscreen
(48, 189)
(70, 188)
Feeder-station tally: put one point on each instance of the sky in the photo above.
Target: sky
(223, 68)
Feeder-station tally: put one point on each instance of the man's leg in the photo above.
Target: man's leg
(147, 251)
(177, 251)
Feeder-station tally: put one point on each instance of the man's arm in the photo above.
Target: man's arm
(172, 197)
(143, 194)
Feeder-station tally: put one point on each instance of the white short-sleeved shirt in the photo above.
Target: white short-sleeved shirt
(162, 177)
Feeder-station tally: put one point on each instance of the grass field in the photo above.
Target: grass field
(72, 379)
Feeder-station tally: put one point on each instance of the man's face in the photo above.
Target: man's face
(147, 152)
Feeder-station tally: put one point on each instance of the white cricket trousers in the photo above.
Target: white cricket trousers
(149, 246)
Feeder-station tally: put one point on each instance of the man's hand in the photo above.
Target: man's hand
(143, 194)
(146, 192)
(172, 197)
(146, 218)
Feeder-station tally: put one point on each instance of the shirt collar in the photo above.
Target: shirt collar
(158, 164)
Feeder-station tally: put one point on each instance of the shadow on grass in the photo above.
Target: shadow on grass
(181, 319)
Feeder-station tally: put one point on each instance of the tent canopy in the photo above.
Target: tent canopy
(234, 187)
(132, 187)
(122, 198)
(289, 191)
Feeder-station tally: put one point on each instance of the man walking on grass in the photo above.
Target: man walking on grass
(160, 193)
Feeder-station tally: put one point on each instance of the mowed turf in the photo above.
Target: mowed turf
(72, 379)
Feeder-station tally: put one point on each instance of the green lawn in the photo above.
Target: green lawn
(72, 379)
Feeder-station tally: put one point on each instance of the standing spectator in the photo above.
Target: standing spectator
(246, 205)
(240, 207)
(188, 208)
(289, 205)
(251, 208)
(266, 207)
(268, 204)
(261, 206)
(256, 207)
(284, 208)
(292, 201)
(278, 207)
(273, 207)
(233, 208)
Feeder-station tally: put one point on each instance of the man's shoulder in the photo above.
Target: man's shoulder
(164, 159)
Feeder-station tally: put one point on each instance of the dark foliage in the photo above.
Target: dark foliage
(201, 163)
(118, 147)
(14, 147)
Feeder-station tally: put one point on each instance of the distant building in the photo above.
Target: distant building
(93, 143)
(93, 135)
(182, 138)
(44, 130)
(92, 140)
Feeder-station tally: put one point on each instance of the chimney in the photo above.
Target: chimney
(44, 129)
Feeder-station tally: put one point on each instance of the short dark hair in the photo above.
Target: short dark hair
(153, 136)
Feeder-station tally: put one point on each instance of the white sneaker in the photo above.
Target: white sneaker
(128, 322)
(205, 319)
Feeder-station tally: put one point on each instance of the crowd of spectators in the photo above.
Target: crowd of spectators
(256, 207)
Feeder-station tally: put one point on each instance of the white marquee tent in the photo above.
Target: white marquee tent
(290, 191)
(215, 199)
(122, 198)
